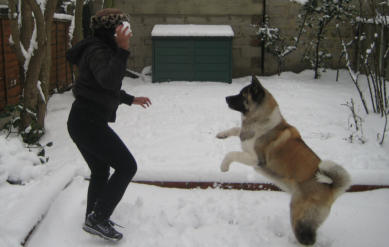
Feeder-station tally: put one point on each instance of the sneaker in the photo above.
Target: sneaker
(114, 224)
(102, 228)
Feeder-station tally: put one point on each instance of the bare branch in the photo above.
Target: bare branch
(385, 126)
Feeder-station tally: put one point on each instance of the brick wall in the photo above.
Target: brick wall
(61, 77)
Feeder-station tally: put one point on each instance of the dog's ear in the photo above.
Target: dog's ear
(256, 85)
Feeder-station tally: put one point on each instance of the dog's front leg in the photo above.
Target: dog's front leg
(241, 157)
(227, 133)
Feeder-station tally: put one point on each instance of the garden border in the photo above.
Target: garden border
(242, 186)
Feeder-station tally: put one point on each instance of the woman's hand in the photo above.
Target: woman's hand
(123, 39)
(142, 101)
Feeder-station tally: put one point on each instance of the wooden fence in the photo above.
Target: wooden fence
(61, 76)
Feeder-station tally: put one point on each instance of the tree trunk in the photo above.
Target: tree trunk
(78, 32)
(46, 63)
(27, 25)
(37, 70)
(317, 56)
(108, 4)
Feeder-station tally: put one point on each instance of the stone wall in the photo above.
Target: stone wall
(241, 15)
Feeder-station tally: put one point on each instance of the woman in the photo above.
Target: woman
(101, 60)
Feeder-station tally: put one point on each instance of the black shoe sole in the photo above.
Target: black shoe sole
(94, 232)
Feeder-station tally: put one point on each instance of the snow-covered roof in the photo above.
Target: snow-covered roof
(191, 30)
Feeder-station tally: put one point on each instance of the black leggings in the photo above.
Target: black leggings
(101, 149)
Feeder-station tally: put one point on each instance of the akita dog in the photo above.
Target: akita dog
(275, 149)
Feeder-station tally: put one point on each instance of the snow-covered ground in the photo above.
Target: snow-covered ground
(174, 140)
(162, 217)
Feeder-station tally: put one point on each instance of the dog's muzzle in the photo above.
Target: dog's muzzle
(229, 99)
(235, 102)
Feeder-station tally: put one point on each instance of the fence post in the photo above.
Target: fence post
(56, 57)
(4, 59)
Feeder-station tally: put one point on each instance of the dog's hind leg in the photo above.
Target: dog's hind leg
(241, 157)
(227, 133)
(302, 219)
(307, 214)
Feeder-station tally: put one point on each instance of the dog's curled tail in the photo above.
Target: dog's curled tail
(335, 175)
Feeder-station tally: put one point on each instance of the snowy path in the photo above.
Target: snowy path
(25, 205)
(159, 217)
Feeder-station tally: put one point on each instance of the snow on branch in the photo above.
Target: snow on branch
(39, 86)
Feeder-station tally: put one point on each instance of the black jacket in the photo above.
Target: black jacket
(102, 66)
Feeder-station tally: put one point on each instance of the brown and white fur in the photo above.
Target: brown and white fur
(275, 149)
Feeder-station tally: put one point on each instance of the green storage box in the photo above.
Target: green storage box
(192, 53)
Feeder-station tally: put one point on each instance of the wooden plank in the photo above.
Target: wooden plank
(174, 59)
(211, 76)
(173, 67)
(215, 43)
(13, 100)
(174, 43)
(214, 67)
(176, 76)
(211, 52)
(11, 65)
(201, 59)
(171, 51)
(3, 84)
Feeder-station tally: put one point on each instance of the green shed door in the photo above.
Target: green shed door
(191, 59)
(212, 60)
(172, 60)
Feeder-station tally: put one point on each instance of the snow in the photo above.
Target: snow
(33, 45)
(160, 217)
(126, 24)
(16, 162)
(380, 19)
(191, 30)
(42, 4)
(174, 140)
(302, 2)
(65, 17)
(27, 204)
(39, 86)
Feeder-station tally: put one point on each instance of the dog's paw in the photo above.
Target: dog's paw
(224, 167)
(222, 135)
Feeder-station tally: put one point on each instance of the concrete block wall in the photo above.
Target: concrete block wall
(284, 15)
(241, 15)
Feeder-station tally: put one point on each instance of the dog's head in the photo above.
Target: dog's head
(249, 97)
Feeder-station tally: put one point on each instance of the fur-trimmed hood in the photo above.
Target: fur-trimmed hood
(108, 19)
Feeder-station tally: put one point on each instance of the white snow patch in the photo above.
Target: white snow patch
(192, 30)
(65, 17)
(39, 86)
